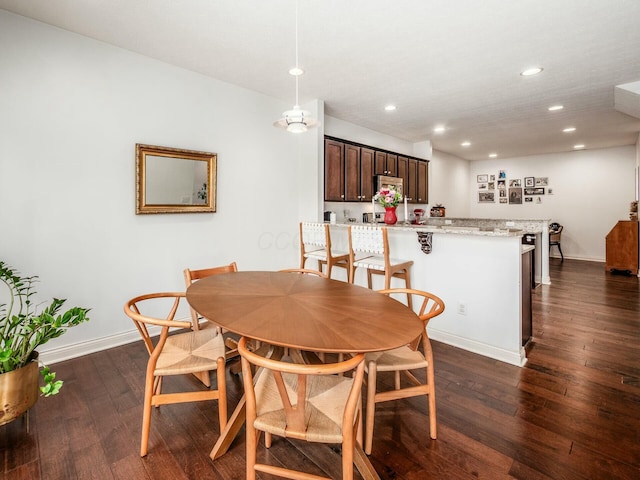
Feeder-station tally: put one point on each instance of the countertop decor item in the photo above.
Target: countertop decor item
(23, 328)
(388, 197)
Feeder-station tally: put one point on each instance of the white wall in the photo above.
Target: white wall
(71, 111)
(592, 190)
(449, 183)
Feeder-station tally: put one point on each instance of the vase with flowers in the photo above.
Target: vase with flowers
(389, 198)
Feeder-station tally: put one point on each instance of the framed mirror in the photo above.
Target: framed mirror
(171, 180)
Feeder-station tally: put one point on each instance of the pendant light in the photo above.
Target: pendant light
(296, 120)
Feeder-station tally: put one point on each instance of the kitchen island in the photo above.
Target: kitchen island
(477, 270)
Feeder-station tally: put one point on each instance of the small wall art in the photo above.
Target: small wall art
(515, 196)
(542, 181)
(486, 197)
(534, 191)
(516, 182)
(482, 178)
(529, 182)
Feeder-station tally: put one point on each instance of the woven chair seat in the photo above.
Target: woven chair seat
(402, 358)
(322, 254)
(376, 262)
(326, 399)
(190, 352)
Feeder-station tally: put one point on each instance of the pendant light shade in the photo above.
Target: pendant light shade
(296, 120)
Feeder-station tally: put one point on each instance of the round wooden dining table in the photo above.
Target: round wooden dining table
(303, 312)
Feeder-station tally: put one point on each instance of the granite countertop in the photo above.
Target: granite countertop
(487, 227)
(484, 231)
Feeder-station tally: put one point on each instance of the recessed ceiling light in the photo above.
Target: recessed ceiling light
(296, 71)
(390, 108)
(555, 108)
(531, 71)
(579, 146)
(569, 129)
(493, 155)
(465, 144)
(439, 129)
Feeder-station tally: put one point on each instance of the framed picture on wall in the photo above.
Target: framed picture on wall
(515, 196)
(504, 200)
(486, 197)
(516, 182)
(542, 181)
(528, 199)
(534, 191)
(529, 182)
(482, 178)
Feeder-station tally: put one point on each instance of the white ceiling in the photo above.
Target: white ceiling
(449, 62)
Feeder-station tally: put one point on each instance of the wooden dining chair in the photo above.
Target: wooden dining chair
(177, 354)
(555, 238)
(301, 402)
(191, 276)
(315, 243)
(369, 248)
(404, 360)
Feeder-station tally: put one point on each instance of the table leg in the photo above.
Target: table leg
(229, 433)
(238, 417)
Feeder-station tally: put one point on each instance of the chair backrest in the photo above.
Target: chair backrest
(431, 306)
(314, 234)
(153, 303)
(368, 239)
(305, 271)
(192, 275)
(295, 396)
(555, 232)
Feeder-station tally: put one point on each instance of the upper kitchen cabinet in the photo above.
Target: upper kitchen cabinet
(423, 182)
(333, 171)
(358, 173)
(386, 164)
(350, 168)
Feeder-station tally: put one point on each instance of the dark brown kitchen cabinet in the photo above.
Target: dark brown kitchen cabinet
(403, 173)
(422, 181)
(358, 173)
(350, 169)
(386, 164)
(333, 171)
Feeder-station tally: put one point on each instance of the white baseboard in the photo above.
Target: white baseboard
(67, 352)
(514, 358)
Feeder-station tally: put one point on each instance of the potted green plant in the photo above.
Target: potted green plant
(23, 328)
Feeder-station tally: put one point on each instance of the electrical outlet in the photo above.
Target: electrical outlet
(510, 224)
(462, 308)
(448, 222)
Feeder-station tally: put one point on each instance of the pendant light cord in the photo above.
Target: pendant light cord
(297, 68)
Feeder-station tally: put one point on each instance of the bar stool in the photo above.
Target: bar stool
(315, 243)
(373, 242)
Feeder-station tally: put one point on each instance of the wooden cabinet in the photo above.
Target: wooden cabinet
(422, 181)
(333, 171)
(527, 313)
(350, 170)
(622, 247)
(386, 164)
(358, 173)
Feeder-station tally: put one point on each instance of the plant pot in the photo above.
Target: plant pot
(18, 391)
(390, 217)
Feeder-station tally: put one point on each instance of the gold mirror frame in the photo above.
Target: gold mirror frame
(171, 180)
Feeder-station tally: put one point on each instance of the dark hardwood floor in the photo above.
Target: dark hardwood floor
(573, 412)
